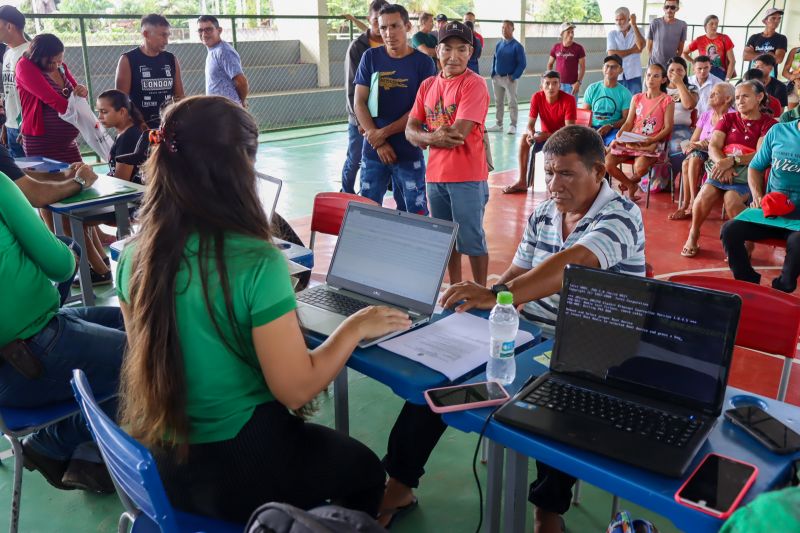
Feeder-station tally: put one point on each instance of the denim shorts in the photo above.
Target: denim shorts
(408, 183)
(462, 202)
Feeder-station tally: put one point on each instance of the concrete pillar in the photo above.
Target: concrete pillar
(312, 33)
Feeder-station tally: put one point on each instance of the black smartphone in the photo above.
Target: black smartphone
(460, 397)
(771, 432)
(717, 485)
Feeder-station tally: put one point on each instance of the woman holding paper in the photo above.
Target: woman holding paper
(216, 358)
(736, 138)
(651, 124)
(45, 83)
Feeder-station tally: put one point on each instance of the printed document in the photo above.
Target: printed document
(453, 345)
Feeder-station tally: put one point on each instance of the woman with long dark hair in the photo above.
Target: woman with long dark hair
(115, 110)
(216, 358)
(45, 83)
(651, 116)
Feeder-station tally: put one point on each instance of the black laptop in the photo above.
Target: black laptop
(638, 371)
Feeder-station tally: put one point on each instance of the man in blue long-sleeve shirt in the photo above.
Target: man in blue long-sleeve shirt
(508, 65)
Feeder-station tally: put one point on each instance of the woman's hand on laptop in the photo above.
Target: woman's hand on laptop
(377, 321)
(473, 295)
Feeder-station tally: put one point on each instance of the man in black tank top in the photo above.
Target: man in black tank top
(149, 74)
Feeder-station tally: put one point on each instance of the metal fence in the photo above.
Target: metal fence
(296, 78)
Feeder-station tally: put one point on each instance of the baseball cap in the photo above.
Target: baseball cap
(456, 29)
(441, 17)
(565, 26)
(11, 14)
(772, 11)
(776, 204)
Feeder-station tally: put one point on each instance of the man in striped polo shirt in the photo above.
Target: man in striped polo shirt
(583, 222)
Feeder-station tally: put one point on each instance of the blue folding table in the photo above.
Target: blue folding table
(653, 491)
(408, 379)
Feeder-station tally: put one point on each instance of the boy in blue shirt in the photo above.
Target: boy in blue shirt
(387, 155)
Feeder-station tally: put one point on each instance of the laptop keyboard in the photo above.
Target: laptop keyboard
(321, 297)
(626, 416)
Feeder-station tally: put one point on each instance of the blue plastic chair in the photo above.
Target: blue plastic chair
(17, 423)
(135, 475)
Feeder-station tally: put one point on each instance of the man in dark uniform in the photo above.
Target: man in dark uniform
(149, 74)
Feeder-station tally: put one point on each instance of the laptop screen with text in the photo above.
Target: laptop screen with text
(392, 255)
(663, 340)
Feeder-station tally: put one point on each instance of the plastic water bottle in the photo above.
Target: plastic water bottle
(503, 325)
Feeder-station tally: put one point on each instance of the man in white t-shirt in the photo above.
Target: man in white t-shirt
(627, 42)
(703, 80)
(12, 25)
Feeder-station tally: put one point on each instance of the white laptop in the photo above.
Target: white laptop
(268, 189)
(382, 257)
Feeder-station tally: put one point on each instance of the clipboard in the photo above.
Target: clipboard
(374, 87)
(756, 216)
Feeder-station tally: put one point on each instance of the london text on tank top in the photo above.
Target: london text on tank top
(152, 82)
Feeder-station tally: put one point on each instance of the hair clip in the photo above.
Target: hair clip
(159, 137)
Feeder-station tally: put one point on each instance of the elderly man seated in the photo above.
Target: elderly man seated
(583, 222)
(778, 151)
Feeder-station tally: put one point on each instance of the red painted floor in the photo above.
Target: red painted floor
(504, 222)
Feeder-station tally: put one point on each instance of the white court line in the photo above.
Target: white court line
(275, 148)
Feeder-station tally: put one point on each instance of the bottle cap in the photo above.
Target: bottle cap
(505, 298)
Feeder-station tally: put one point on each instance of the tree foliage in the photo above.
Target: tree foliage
(569, 11)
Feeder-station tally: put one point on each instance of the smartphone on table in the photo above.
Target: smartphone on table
(771, 432)
(467, 396)
(717, 485)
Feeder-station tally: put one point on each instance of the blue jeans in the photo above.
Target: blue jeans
(634, 85)
(65, 286)
(465, 203)
(13, 146)
(353, 160)
(89, 338)
(408, 182)
(566, 87)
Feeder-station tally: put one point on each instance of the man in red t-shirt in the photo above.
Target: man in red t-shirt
(555, 109)
(448, 116)
(469, 16)
(568, 58)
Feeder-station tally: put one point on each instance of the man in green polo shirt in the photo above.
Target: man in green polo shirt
(424, 40)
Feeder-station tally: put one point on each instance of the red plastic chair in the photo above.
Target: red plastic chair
(584, 117)
(328, 212)
(770, 319)
(661, 161)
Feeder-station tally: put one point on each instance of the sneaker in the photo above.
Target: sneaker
(512, 130)
(97, 279)
(51, 469)
(495, 128)
(88, 476)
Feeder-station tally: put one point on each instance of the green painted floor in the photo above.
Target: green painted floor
(310, 161)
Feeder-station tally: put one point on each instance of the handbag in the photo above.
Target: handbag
(80, 115)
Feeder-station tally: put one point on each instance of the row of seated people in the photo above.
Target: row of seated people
(719, 144)
(206, 349)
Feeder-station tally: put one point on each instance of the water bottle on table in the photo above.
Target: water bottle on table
(503, 325)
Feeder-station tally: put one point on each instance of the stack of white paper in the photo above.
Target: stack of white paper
(453, 345)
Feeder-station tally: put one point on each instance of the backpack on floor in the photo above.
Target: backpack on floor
(622, 523)
(285, 518)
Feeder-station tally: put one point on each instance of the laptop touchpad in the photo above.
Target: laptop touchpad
(318, 320)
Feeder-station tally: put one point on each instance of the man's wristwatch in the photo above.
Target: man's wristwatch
(737, 160)
(80, 181)
(498, 288)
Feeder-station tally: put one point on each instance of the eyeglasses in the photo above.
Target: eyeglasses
(671, 8)
(201, 31)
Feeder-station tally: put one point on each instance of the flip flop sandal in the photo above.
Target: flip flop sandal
(689, 251)
(399, 512)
